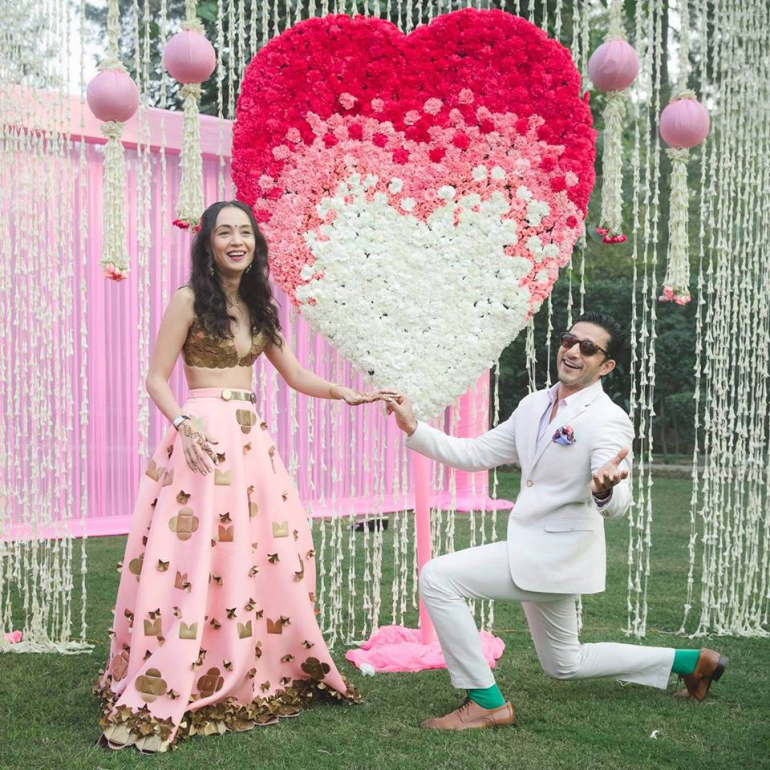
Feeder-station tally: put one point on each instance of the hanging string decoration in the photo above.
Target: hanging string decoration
(613, 67)
(493, 181)
(684, 124)
(42, 194)
(645, 164)
(113, 98)
(728, 581)
(190, 59)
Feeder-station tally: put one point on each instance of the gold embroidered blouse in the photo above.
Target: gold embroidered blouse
(202, 350)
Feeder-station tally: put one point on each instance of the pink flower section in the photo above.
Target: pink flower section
(315, 171)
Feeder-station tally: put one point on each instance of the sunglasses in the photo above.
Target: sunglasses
(587, 348)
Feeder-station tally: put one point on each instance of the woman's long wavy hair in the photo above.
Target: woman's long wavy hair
(254, 290)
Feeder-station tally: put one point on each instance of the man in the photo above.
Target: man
(573, 445)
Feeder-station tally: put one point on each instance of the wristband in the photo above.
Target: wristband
(179, 419)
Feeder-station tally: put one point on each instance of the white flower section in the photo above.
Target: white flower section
(524, 193)
(551, 251)
(480, 173)
(407, 204)
(446, 192)
(536, 210)
(535, 248)
(540, 252)
(498, 172)
(472, 199)
(396, 185)
(423, 308)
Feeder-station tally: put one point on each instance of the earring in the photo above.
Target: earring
(248, 267)
(211, 267)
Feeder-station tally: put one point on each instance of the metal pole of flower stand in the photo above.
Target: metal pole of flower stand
(421, 467)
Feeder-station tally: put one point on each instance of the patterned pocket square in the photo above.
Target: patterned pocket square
(564, 436)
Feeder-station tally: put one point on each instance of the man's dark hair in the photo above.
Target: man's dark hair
(610, 325)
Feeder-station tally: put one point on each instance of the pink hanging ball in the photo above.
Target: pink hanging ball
(189, 57)
(684, 123)
(613, 66)
(113, 96)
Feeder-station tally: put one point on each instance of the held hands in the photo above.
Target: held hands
(196, 445)
(401, 407)
(356, 397)
(609, 475)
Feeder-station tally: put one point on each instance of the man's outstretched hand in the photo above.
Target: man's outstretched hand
(609, 475)
(401, 407)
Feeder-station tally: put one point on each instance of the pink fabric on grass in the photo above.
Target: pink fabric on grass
(395, 648)
(13, 637)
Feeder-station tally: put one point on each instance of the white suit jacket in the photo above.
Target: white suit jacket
(555, 529)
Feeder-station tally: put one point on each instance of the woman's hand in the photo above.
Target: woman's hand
(356, 397)
(196, 445)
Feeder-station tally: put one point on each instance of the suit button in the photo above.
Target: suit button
(530, 482)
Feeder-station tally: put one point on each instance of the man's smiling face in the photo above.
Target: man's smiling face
(577, 370)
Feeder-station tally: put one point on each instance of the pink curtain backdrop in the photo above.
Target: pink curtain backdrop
(355, 461)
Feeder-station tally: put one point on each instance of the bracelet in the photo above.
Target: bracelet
(179, 419)
(201, 441)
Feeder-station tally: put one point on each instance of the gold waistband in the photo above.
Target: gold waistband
(226, 394)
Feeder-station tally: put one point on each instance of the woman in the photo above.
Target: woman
(214, 625)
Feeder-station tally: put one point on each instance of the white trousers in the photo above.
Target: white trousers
(483, 573)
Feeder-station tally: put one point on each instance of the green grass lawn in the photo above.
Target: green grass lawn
(48, 715)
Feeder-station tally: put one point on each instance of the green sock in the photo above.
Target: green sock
(488, 698)
(685, 661)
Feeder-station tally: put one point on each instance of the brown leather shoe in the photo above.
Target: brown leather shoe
(710, 666)
(471, 716)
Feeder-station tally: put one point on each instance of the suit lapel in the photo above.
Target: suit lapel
(578, 405)
(533, 425)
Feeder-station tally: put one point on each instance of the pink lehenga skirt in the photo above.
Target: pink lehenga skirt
(215, 624)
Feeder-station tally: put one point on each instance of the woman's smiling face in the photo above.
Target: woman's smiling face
(232, 241)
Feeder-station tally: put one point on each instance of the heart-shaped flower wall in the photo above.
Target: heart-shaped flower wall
(419, 193)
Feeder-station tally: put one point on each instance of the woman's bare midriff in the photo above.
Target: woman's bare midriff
(236, 377)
